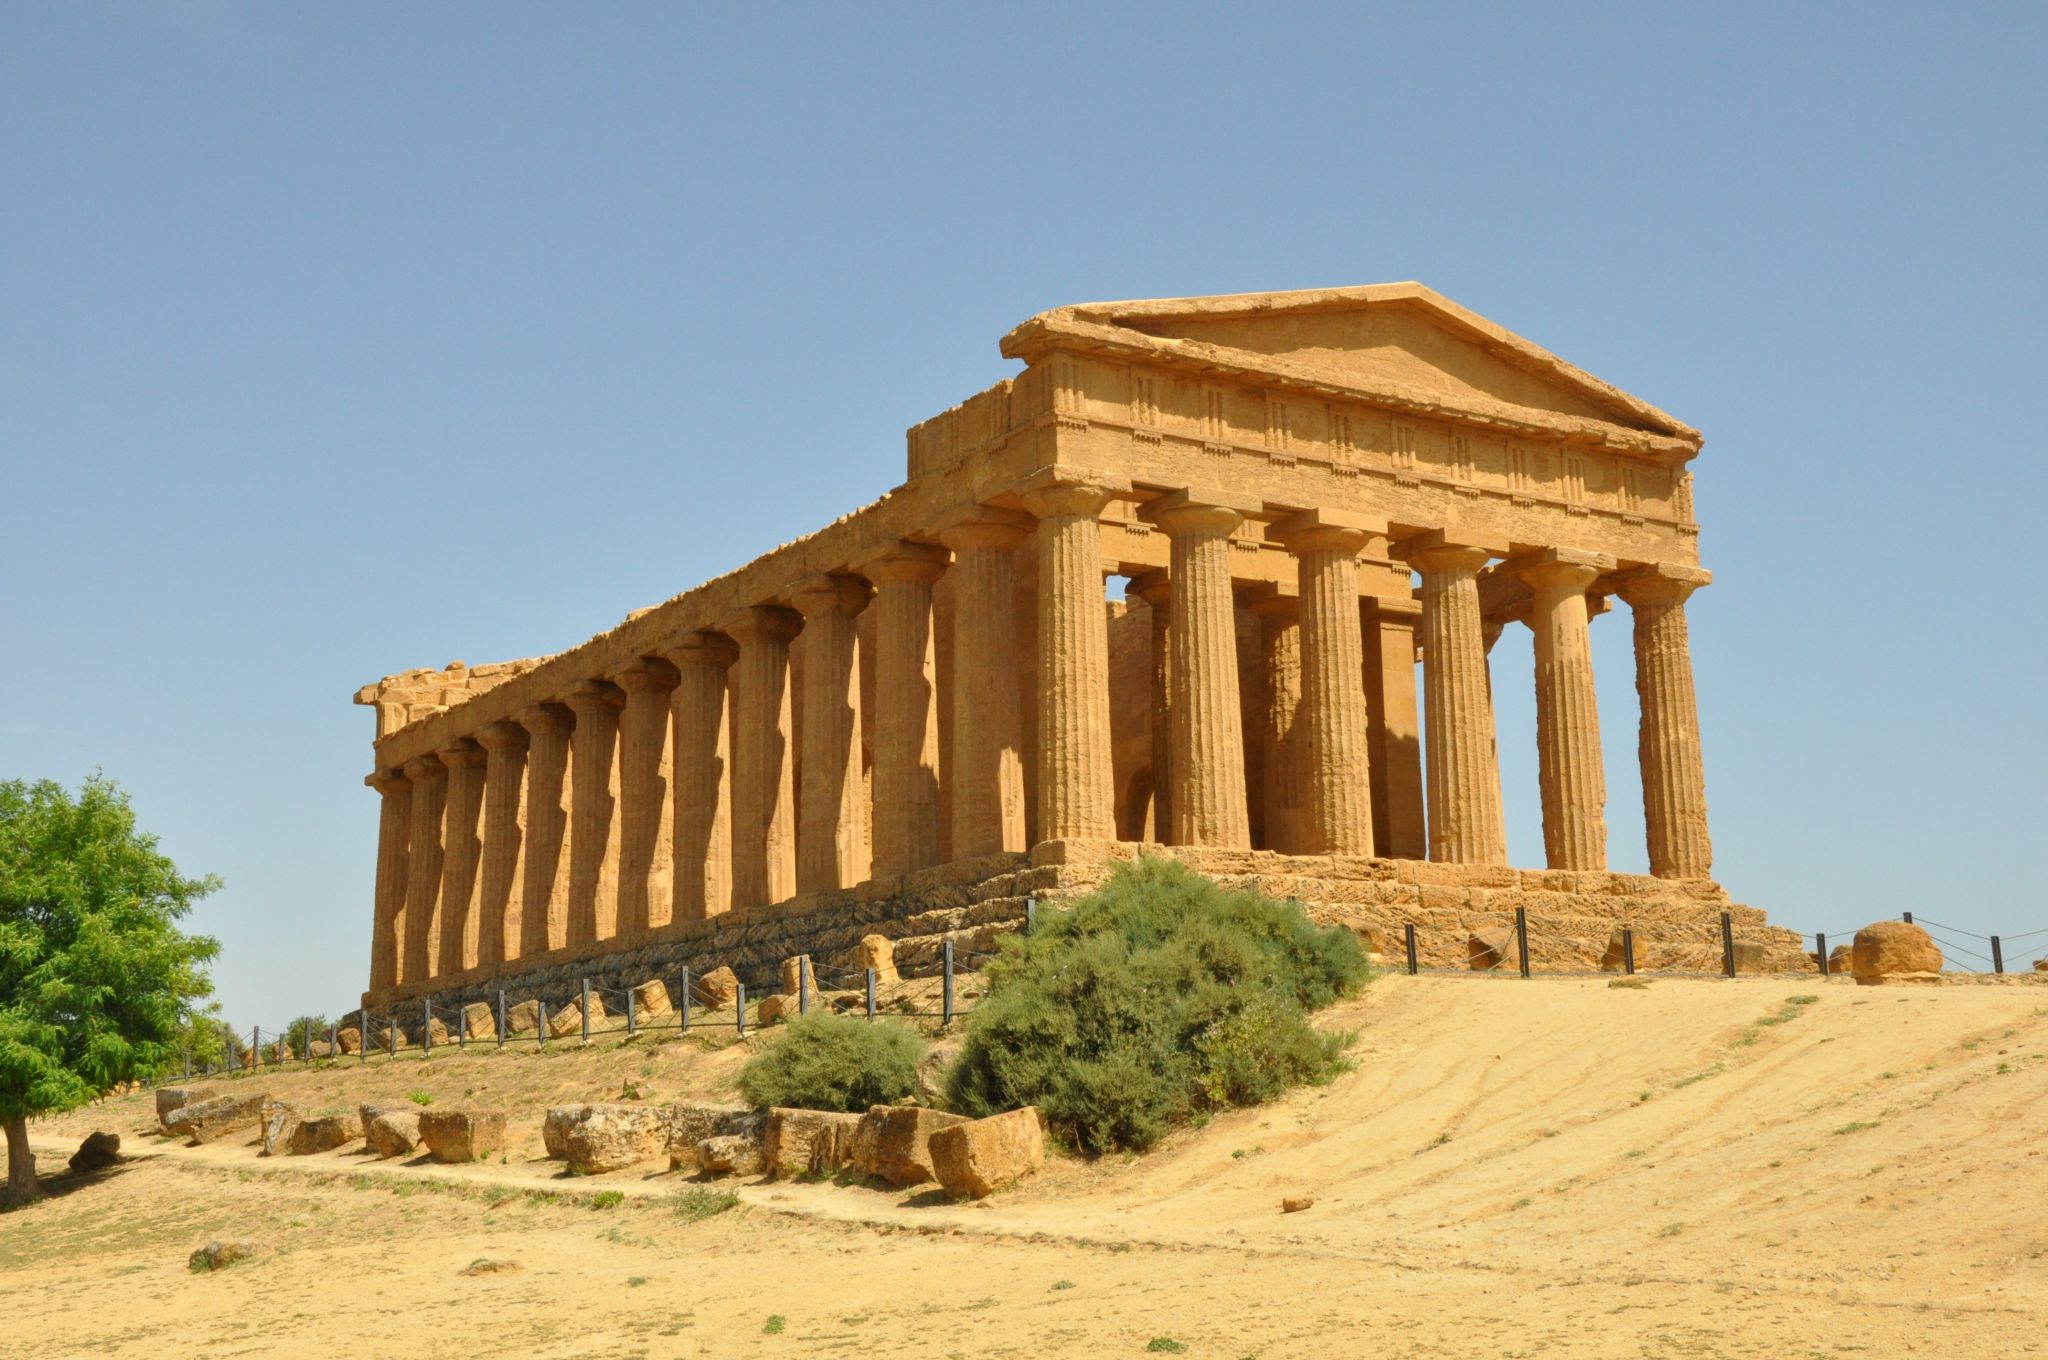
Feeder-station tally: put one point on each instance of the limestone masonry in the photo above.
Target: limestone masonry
(926, 711)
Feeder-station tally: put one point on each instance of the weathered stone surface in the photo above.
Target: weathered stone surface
(349, 1039)
(280, 1120)
(171, 1099)
(1491, 948)
(323, 1133)
(2041, 965)
(1842, 960)
(97, 1151)
(650, 1000)
(567, 1022)
(390, 1130)
(775, 1006)
(523, 1018)
(792, 970)
(203, 1121)
(730, 1154)
(715, 989)
(220, 1255)
(807, 1142)
(479, 1020)
(893, 1142)
(878, 953)
(1891, 949)
(975, 1158)
(594, 1139)
(462, 1135)
(691, 1125)
(1294, 1204)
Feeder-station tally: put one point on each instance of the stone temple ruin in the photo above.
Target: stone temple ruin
(925, 712)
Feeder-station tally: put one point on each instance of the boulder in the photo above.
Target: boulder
(97, 1151)
(220, 1255)
(326, 1132)
(391, 1130)
(791, 973)
(462, 1135)
(775, 1006)
(730, 1154)
(1751, 957)
(205, 1120)
(974, 1158)
(650, 1000)
(1294, 1204)
(594, 1139)
(1892, 948)
(690, 1125)
(438, 1032)
(320, 1048)
(349, 1039)
(893, 1142)
(807, 1142)
(280, 1121)
(1615, 959)
(2041, 965)
(479, 1021)
(715, 989)
(878, 953)
(171, 1099)
(1490, 948)
(567, 1023)
(523, 1018)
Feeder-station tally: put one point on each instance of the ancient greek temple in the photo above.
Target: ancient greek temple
(1169, 586)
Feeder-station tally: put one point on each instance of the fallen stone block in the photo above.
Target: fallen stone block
(715, 989)
(690, 1125)
(97, 1151)
(1893, 949)
(391, 1130)
(350, 1039)
(792, 973)
(730, 1154)
(807, 1142)
(1294, 1204)
(594, 1139)
(650, 1000)
(893, 1142)
(458, 1136)
(523, 1018)
(171, 1099)
(479, 1021)
(206, 1120)
(567, 1023)
(974, 1159)
(775, 1006)
(324, 1133)
(280, 1121)
(1491, 948)
(878, 953)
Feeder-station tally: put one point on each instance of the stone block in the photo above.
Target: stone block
(775, 1006)
(594, 1139)
(1491, 947)
(892, 1142)
(878, 953)
(567, 1023)
(730, 1154)
(279, 1121)
(975, 1158)
(479, 1020)
(1893, 948)
(807, 1142)
(791, 970)
(97, 1151)
(324, 1133)
(462, 1135)
(390, 1130)
(203, 1121)
(650, 1000)
(690, 1126)
(171, 1099)
(715, 989)
(523, 1018)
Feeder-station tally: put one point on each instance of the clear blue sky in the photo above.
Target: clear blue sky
(340, 339)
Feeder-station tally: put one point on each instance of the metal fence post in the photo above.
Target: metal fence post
(1727, 944)
(803, 984)
(1820, 949)
(391, 1033)
(1522, 938)
(1997, 955)
(1408, 933)
(1628, 950)
(501, 1017)
(1907, 917)
(461, 1025)
(632, 1018)
(586, 1010)
(188, 1064)
(426, 1026)
(333, 1040)
(739, 1008)
(1030, 914)
(686, 998)
(946, 995)
(871, 993)
(255, 1047)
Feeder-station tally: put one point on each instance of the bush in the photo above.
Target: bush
(1156, 998)
(835, 1062)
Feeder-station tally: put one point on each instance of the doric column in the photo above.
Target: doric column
(644, 823)
(1076, 769)
(1154, 590)
(544, 910)
(1399, 830)
(394, 815)
(831, 842)
(1674, 781)
(423, 865)
(906, 735)
(1284, 775)
(987, 779)
(1463, 786)
(1326, 545)
(1209, 806)
(1573, 780)
(453, 937)
(701, 764)
(593, 801)
(499, 904)
(763, 811)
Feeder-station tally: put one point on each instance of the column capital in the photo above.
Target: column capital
(1271, 600)
(764, 623)
(460, 752)
(985, 526)
(386, 781)
(1447, 550)
(646, 674)
(1327, 530)
(1064, 489)
(1153, 587)
(906, 561)
(421, 768)
(833, 593)
(1199, 510)
(1559, 568)
(1660, 583)
(502, 736)
(546, 717)
(589, 695)
(703, 648)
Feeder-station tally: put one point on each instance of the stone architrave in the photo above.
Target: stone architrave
(1674, 780)
(1573, 780)
(906, 736)
(702, 775)
(453, 946)
(499, 899)
(429, 780)
(1326, 545)
(393, 816)
(831, 804)
(1463, 786)
(593, 805)
(1076, 778)
(1284, 773)
(986, 783)
(645, 825)
(763, 793)
(1154, 589)
(1209, 805)
(544, 913)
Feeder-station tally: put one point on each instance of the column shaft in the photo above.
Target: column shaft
(455, 948)
(394, 814)
(1332, 683)
(544, 914)
(1154, 589)
(1209, 805)
(1463, 786)
(1076, 767)
(593, 803)
(906, 736)
(423, 866)
(1573, 780)
(499, 901)
(763, 799)
(1284, 775)
(645, 828)
(1674, 778)
(987, 779)
(831, 842)
(702, 763)
(1400, 830)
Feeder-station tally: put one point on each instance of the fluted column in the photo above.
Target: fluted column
(1463, 785)
(593, 801)
(831, 842)
(701, 783)
(1209, 805)
(423, 865)
(394, 814)
(1326, 545)
(453, 942)
(1154, 589)
(644, 822)
(1573, 780)
(544, 914)
(499, 903)
(986, 783)
(906, 735)
(1399, 829)
(1283, 775)
(1674, 780)
(763, 799)
(1076, 763)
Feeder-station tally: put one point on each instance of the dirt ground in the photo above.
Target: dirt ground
(1550, 1168)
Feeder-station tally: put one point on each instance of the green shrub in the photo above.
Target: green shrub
(1156, 998)
(835, 1062)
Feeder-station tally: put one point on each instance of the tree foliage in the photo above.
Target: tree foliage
(1157, 997)
(834, 1062)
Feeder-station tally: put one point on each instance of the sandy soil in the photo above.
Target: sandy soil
(1547, 1168)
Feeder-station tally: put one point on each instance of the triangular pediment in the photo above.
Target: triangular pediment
(1399, 338)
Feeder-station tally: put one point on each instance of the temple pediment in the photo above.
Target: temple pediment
(1400, 341)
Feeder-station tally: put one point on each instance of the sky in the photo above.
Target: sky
(336, 340)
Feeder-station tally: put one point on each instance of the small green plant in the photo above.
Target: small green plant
(776, 1322)
(1805, 999)
(607, 1199)
(1166, 1344)
(636, 1280)
(1630, 984)
(1671, 1230)
(419, 1097)
(834, 1062)
(1856, 1126)
(1522, 1203)
(698, 1203)
(1062, 1284)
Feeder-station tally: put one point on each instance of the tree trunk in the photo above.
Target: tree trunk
(21, 1164)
